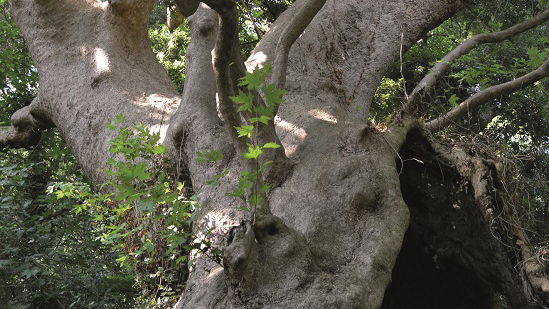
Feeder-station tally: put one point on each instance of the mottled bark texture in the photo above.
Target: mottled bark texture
(339, 216)
(94, 62)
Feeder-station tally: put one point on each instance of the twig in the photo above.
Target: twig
(401, 72)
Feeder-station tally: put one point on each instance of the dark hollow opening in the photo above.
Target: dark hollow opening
(447, 250)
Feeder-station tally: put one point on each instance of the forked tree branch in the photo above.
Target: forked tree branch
(427, 83)
(293, 30)
(486, 95)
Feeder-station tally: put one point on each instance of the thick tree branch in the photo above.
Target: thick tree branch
(25, 130)
(174, 17)
(293, 30)
(222, 58)
(187, 7)
(441, 67)
(486, 95)
(135, 13)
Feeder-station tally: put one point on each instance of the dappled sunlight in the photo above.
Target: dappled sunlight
(258, 59)
(160, 110)
(322, 115)
(99, 4)
(101, 60)
(291, 135)
(214, 223)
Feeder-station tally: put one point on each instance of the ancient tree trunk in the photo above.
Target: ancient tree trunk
(340, 218)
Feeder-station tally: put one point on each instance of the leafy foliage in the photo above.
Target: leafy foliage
(142, 214)
(250, 186)
(18, 76)
(170, 49)
(51, 257)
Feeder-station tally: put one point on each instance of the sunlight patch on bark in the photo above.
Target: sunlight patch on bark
(102, 65)
(258, 59)
(160, 108)
(322, 115)
(293, 135)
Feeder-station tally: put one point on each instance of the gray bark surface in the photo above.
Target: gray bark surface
(339, 215)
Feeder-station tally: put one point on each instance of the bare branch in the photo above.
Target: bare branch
(295, 28)
(429, 81)
(24, 132)
(488, 94)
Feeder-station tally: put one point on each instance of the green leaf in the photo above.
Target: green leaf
(245, 131)
(453, 100)
(237, 193)
(253, 152)
(215, 181)
(271, 146)
(257, 77)
(263, 119)
(273, 94)
(536, 57)
(159, 149)
(244, 100)
(255, 199)
(265, 188)
(265, 165)
(119, 118)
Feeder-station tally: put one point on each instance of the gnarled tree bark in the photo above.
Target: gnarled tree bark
(339, 216)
